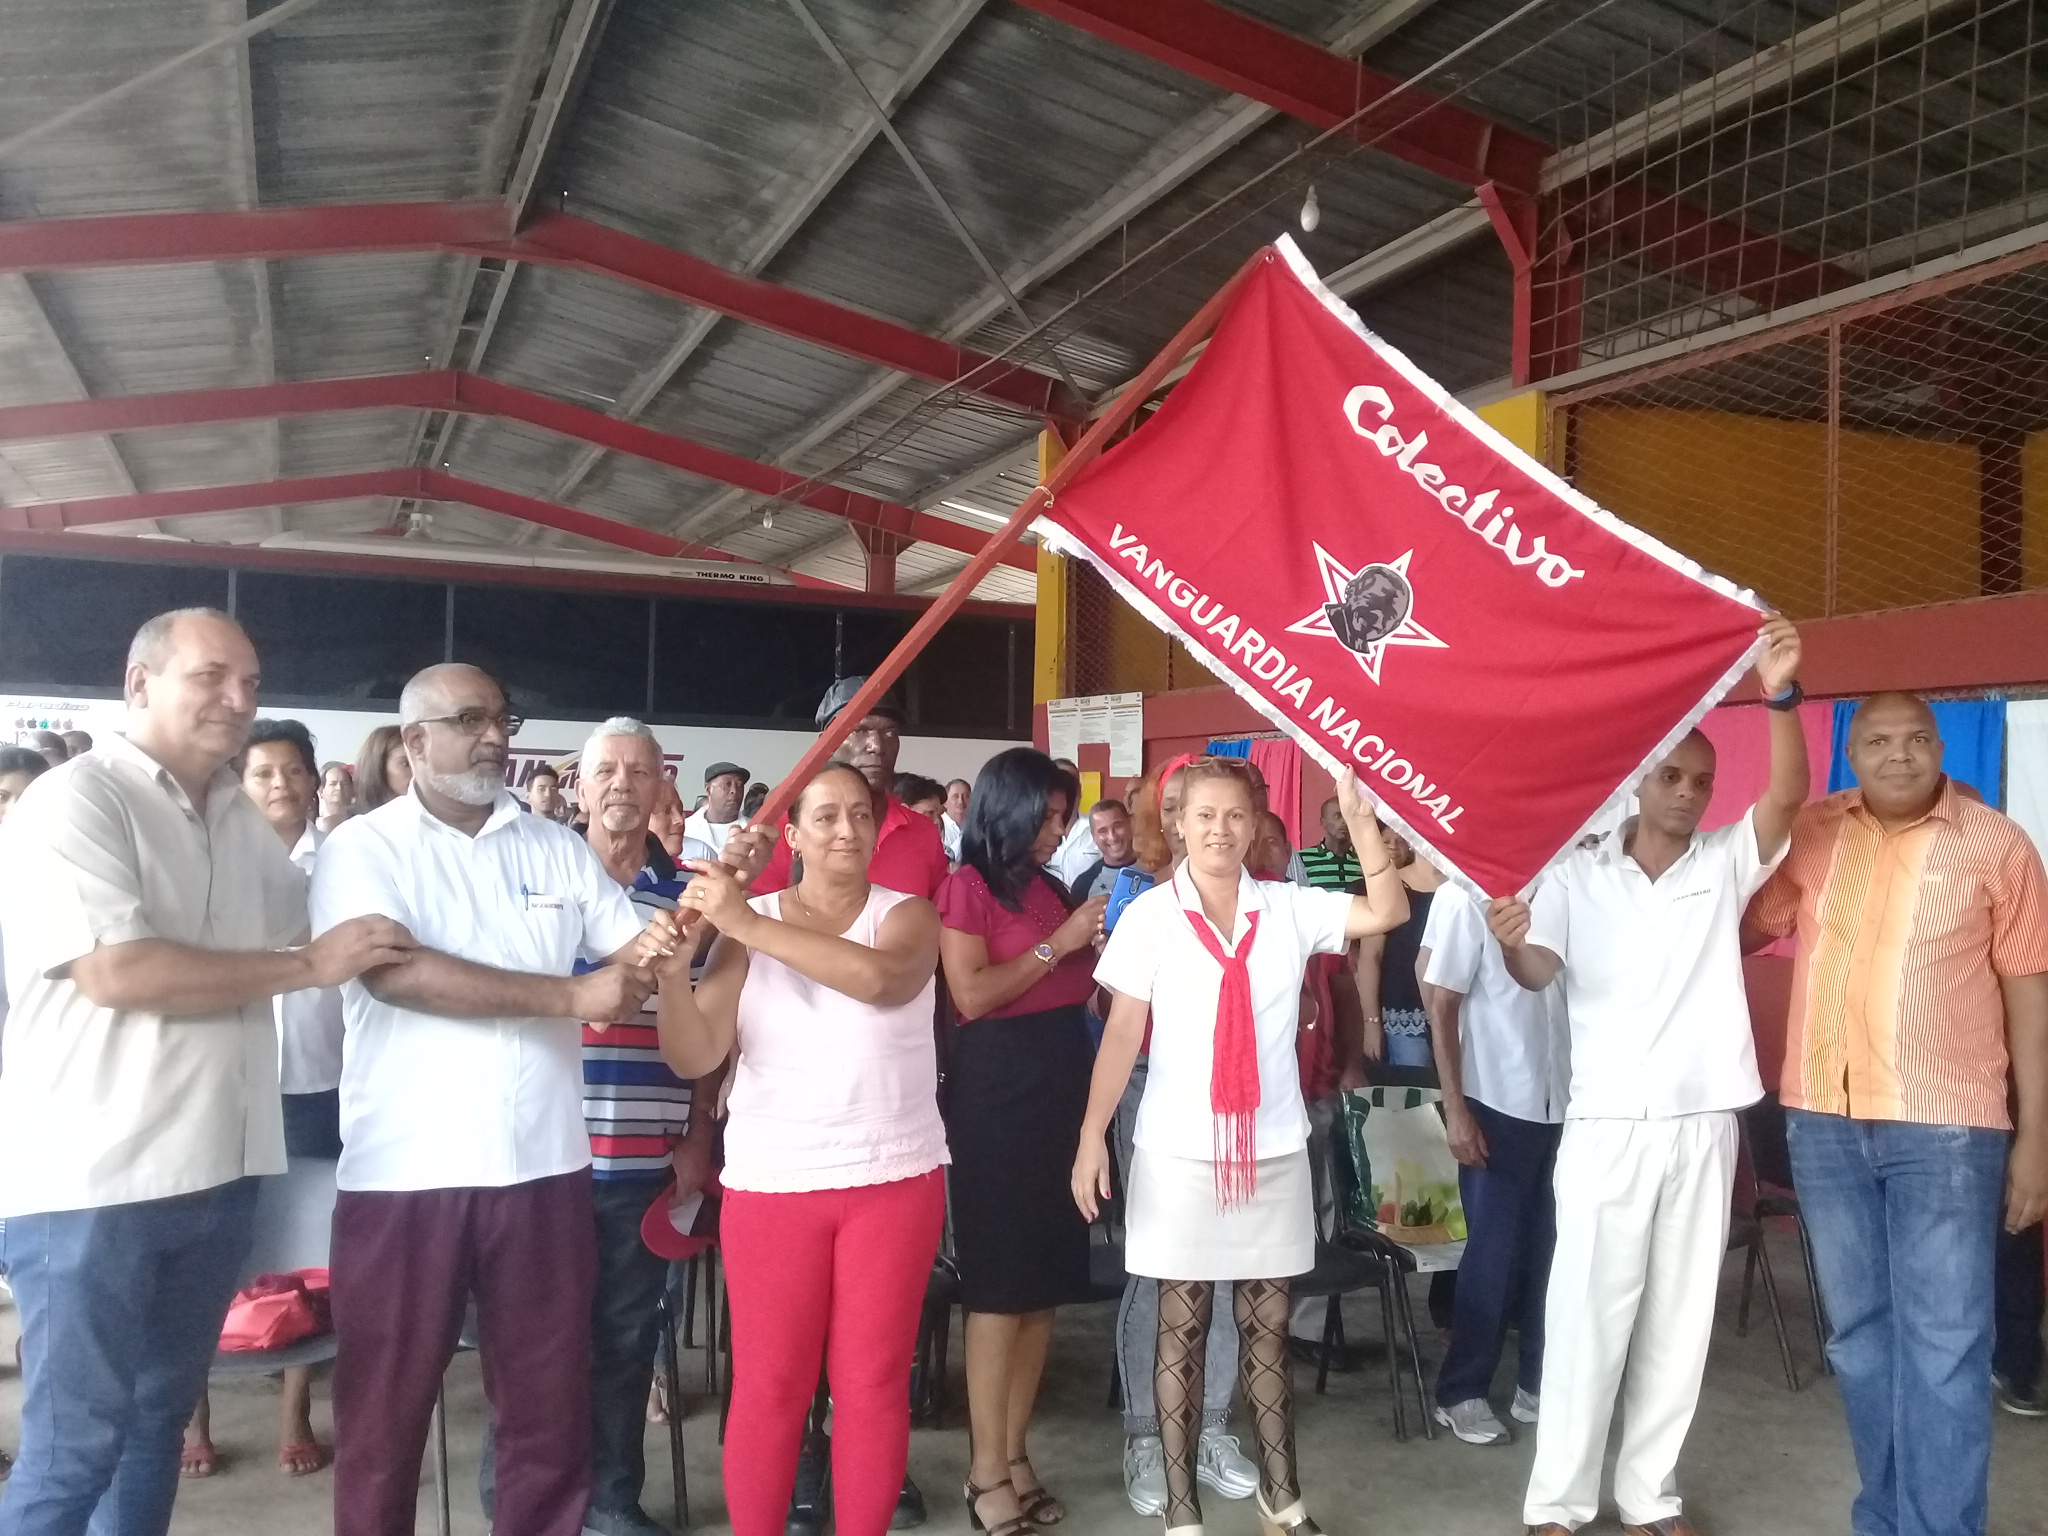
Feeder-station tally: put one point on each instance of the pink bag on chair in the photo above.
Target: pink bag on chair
(272, 1311)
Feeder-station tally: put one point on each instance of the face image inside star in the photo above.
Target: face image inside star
(1367, 610)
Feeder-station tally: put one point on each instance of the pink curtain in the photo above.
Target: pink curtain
(1741, 734)
(1280, 762)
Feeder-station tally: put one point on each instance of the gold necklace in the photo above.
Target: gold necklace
(822, 918)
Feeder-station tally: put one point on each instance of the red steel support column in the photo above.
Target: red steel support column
(1514, 220)
(880, 548)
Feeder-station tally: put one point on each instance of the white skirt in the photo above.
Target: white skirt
(1174, 1230)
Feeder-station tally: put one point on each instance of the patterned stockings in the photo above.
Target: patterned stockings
(1185, 1308)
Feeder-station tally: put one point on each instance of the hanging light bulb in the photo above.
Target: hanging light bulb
(767, 517)
(1311, 211)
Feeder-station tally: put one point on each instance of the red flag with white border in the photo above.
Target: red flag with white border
(1401, 589)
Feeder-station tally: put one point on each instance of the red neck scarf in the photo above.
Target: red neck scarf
(1234, 1067)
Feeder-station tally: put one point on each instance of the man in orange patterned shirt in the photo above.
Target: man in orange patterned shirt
(1922, 977)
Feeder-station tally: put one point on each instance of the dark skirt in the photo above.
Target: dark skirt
(1016, 1094)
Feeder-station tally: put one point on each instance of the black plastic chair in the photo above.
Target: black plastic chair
(1770, 1158)
(317, 1350)
(1359, 1257)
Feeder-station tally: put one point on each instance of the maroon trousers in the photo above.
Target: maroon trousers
(404, 1266)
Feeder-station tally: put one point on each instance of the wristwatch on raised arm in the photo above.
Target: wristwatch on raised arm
(1045, 953)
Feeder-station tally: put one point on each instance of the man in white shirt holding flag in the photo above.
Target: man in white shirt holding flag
(1644, 929)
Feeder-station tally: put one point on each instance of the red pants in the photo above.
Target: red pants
(838, 1270)
(403, 1267)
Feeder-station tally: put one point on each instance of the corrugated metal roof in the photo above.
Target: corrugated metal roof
(721, 129)
(172, 145)
(366, 101)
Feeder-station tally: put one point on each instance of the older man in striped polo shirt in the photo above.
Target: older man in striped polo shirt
(1922, 979)
(641, 1128)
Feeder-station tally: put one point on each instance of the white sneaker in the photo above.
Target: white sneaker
(1472, 1421)
(1222, 1467)
(1523, 1408)
(1145, 1474)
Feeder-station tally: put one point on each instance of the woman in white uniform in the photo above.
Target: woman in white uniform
(1220, 1186)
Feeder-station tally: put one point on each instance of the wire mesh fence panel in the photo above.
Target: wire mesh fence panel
(1890, 455)
(1112, 648)
(1881, 139)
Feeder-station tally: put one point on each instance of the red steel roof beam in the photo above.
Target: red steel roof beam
(447, 390)
(417, 484)
(1306, 81)
(558, 240)
(563, 240)
(427, 390)
(56, 516)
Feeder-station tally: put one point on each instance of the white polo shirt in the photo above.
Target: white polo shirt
(1155, 956)
(1653, 975)
(436, 1103)
(1075, 853)
(103, 1106)
(1516, 1045)
(309, 1022)
(711, 833)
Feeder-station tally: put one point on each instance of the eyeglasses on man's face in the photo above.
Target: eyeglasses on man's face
(474, 722)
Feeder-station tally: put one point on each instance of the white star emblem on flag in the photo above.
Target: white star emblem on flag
(1335, 579)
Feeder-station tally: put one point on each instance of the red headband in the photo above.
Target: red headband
(1159, 792)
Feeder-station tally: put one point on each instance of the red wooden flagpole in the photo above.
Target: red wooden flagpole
(948, 602)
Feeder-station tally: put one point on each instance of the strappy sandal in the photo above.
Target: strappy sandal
(1019, 1525)
(301, 1458)
(1292, 1521)
(1039, 1506)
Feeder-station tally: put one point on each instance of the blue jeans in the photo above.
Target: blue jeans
(1511, 1218)
(1904, 1220)
(121, 1310)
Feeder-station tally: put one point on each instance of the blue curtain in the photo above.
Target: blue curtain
(1242, 747)
(1972, 734)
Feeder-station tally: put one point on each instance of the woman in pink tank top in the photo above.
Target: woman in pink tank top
(834, 1198)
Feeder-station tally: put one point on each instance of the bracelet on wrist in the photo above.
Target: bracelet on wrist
(1790, 699)
(1374, 874)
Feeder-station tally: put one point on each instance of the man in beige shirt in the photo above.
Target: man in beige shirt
(147, 908)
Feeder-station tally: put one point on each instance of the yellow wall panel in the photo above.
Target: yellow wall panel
(1523, 420)
(1745, 496)
(2034, 494)
(1909, 523)
(1049, 640)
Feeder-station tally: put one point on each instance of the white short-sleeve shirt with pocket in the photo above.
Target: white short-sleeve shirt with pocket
(1515, 1045)
(106, 1106)
(1653, 974)
(429, 1102)
(309, 1022)
(1155, 956)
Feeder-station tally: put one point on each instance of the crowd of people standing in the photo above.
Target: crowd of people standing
(519, 1029)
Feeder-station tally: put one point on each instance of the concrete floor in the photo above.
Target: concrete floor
(1762, 1461)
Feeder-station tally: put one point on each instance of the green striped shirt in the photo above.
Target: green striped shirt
(1330, 870)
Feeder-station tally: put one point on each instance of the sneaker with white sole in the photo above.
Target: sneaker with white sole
(1222, 1467)
(1524, 1406)
(2028, 1404)
(1145, 1474)
(1472, 1421)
